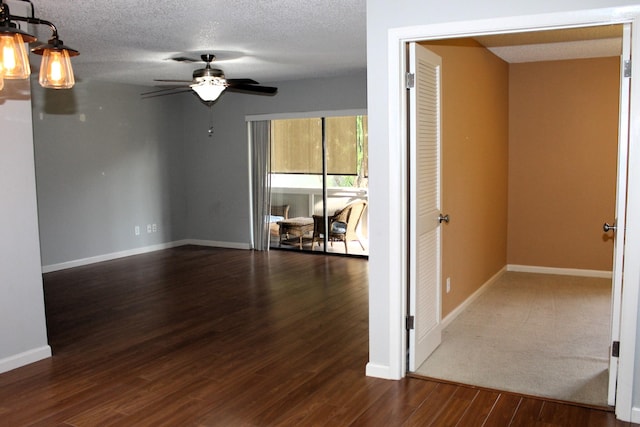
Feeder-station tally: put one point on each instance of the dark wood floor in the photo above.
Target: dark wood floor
(207, 337)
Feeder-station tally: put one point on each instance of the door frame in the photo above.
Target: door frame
(397, 40)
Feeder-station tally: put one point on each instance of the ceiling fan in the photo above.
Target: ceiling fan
(209, 83)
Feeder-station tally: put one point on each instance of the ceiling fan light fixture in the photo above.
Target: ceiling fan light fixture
(209, 83)
(208, 90)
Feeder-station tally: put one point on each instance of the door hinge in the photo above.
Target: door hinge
(627, 67)
(615, 349)
(410, 320)
(411, 80)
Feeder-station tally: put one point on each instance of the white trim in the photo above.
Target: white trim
(516, 24)
(397, 205)
(25, 358)
(474, 296)
(138, 251)
(379, 371)
(110, 256)
(635, 415)
(306, 114)
(560, 271)
(396, 115)
(216, 244)
(252, 243)
(628, 362)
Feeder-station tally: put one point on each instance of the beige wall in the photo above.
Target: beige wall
(528, 164)
(474, 166)
(562, 162)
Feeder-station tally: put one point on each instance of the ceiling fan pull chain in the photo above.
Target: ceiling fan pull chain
(210, 131)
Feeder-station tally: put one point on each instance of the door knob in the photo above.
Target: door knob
(606, 227)
(443, 218)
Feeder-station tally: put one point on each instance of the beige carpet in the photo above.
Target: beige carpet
(536, 334)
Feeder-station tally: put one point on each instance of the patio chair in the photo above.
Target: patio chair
(342, 225)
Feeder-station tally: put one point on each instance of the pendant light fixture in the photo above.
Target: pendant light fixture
(55, 69)
(13, 53)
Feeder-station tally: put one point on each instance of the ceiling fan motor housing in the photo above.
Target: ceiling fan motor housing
(207, 72)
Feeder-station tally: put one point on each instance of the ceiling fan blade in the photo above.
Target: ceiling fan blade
(165, 92)
(172, 81)
(242, 82)
(184, 59)
(167, 89)
(266, 90)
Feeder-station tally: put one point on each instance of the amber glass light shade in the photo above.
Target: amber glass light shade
(13, 56)
(55, 69)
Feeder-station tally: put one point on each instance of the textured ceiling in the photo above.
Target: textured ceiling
(266, 40)
(573, 43)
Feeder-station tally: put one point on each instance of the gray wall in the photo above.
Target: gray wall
(217, 176)
(23, 335)
(106, 161)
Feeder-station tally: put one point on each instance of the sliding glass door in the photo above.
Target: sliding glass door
(319, 185)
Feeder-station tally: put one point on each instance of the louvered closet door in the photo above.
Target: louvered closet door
(424, 191)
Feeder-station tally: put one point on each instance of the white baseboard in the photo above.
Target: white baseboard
(379, 371)
(216, 244)
(110, 256)
(635, 415)
(138, 251)
(462, 307)
(24, 358)
(561, 271)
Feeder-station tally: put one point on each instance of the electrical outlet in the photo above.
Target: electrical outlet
(154, 227)
(448, 284)
(136, 230)
(148, 228)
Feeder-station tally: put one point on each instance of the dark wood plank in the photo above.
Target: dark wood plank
(528, 413)
(599, 418)
(458, 405)
(478, 411)
(351, 397)
(436, 403)
(503, 410)
(557, 414)
(404, 398)
(207, 336)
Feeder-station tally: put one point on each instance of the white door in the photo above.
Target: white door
(424, 204)
(618, 226)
